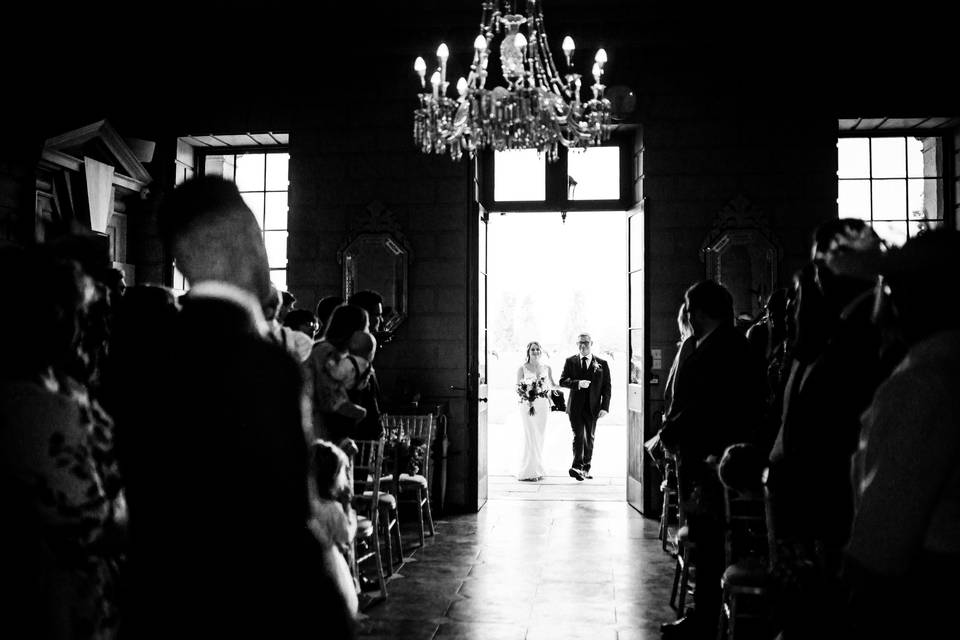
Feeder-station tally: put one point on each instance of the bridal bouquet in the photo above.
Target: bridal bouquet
(530, 390)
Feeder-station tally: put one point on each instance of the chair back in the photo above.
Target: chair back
(417, 429)
(366, 471)
(746, 525)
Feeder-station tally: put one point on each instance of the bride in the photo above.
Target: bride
(535, 424)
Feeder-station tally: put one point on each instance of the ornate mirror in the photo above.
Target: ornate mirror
(376, 257)
(742, 254)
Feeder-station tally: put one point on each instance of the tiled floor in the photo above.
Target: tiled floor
(529, 570)
(558, 487)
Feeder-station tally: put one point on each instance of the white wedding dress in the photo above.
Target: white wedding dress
(534, 431)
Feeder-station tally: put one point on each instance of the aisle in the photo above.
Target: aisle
(524, 570)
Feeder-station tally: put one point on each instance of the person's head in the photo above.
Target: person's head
(534, 351)
(272, 304)
(344, 321)
(214, 236)
(920, 285)
(113, 280)
(302, 320)
(584, 344)
(329, 466)
(372, 303)
(683, 323)
(363, 344)
(741, 468)
(847, 254)
(287, 303)
(324, 308)
(709, 305)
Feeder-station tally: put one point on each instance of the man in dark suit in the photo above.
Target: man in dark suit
(220, 516)
(588, 378)
(718, 399)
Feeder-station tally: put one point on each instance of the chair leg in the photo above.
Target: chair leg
(378, 559)
(677, 570)
(684, 584)
(664, 519)
(385, 519)
(396, 523)
(420, 513)
(429, 514)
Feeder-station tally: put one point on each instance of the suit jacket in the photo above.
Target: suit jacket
(718, 397)
(219, 518)
(596, 396)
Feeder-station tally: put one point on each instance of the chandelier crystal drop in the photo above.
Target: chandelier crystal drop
(538, 109)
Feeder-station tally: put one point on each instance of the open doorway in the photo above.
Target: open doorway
(548, 280)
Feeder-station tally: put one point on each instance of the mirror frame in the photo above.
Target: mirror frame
(380, 227)
(740, 225)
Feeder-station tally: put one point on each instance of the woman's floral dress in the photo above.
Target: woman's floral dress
(56, 460)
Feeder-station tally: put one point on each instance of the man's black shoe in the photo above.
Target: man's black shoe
(686, 628)
(576, 475)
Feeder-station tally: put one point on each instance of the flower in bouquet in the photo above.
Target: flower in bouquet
(530, 390)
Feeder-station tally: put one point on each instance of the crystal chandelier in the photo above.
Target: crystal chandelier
(538, 109)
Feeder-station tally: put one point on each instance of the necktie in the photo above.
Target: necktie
(583, 363)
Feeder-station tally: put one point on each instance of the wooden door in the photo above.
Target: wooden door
(477, 340)
(636, 378)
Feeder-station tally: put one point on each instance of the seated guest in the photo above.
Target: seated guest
(718, 396)
(297, 343)
(331, 367)
(287, 302)
(334, 518)
(63, 534)
(369, 396)
(324, 308)
(223, 544)
(903, 557)
(303, 321)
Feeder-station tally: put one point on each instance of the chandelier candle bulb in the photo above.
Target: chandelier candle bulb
(435, 82)
(480, 44)
(443, 53)
(421, 68)
(600, 58)
(597, 72)
(462, 86)
(568, 48)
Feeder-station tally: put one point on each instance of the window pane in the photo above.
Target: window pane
(279, 278)
(895, 233)
(277, 167)
(925, 199)
(853, 199)
(519, 175)
(889, 199)
(276, 211)
(889, 157)
(219, 165)
(914, 158)
(250, 172)
(255, 202)
(276, 242)
(853, 158)
(596, 172)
